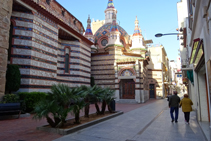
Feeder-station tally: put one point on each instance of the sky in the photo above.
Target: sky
(155, 16)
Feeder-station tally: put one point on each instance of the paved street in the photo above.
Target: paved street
(148, 123)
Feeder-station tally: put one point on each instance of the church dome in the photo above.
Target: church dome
(103, 32)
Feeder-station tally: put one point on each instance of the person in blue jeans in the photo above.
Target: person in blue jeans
(174, 101)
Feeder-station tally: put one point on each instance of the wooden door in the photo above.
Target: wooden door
(128, 89)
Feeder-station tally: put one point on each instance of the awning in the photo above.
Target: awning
(190, 75)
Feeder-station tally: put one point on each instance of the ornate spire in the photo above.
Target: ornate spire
(137, 31)
(114, 26)
(88, 29)
(110, 4)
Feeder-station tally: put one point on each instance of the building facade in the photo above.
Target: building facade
(51, 46)
(196, 38)
(158, 72)
(117, 63)
(47, 43)
(5, 14)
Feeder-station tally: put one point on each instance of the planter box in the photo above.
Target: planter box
(79, 127)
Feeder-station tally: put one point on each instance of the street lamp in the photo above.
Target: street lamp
(160, 34)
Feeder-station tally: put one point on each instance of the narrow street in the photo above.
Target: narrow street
(148, 123)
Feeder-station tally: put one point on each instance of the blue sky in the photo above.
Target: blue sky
(155, 16)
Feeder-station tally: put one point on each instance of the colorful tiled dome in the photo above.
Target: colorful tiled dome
(110, 4)
(105, 30)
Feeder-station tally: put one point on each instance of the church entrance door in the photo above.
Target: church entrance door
(152, 90)
(128, 88)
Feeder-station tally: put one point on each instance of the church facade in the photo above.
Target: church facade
(51, 46)
(117, 61)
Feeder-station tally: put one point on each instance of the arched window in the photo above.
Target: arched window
(67, 60)
(48, 2)
(63, 13)
(10, 42)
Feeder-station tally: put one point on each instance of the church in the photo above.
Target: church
(117, 61)
(51, 46)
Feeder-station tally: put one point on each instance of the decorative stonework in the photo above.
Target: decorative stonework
(5, 14)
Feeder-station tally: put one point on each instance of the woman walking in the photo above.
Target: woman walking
(186, 107)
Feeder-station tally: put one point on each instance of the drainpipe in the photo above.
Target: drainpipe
(162, 78)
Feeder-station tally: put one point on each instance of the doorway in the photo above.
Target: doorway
(151, 90)
(127, 89)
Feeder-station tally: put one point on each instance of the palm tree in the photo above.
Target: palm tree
(78, 105)
(97, 98)
(92, 96)
(107, 96)
(57, 104)
(80, 93)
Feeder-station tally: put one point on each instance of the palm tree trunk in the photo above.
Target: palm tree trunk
(103, 107)
(77, 118)
(50, 121)
(87, 110)
(57, 120)
(97, 108)
(109, 108)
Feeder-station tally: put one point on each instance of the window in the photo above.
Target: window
(10, 42)
(122, 42)
(104, 42)
(63, 13)
(48, 2)
(67, 60)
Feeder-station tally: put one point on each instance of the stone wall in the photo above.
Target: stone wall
(5, 14)
(40, 53)
(102, 66)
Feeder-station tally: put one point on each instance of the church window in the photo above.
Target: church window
(67, 60)
(48, 2)
(10, 42)
(63, 13)
(104, 42)
(122, 42)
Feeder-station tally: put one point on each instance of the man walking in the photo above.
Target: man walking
(174, 106)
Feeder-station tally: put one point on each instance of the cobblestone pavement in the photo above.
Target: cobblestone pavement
(24, 129)
(148, 123)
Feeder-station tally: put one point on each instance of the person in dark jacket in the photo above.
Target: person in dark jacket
(174, 101)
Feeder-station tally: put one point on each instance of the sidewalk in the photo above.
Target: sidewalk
(24, 129)
(150, 122)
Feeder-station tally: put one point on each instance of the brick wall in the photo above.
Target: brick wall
(5, 14)
(40, 53)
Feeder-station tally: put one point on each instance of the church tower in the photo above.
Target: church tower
(110, 10)
(89, 35)
(114, 36)
(137, 40)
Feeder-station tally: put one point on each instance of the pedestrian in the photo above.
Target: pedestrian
(186, 107)
(174, 101)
